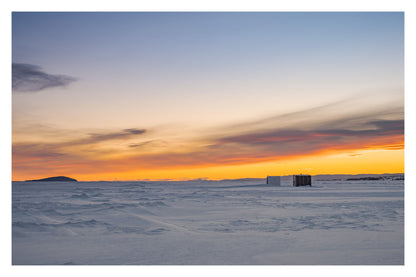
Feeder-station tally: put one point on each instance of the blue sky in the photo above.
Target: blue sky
(220, 54)
(204, 42)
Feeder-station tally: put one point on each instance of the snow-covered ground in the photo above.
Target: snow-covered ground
(208, 222)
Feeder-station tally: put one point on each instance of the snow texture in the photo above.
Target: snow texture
(208, 223)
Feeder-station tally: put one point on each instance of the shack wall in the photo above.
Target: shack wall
(302, 180)
(273, 180)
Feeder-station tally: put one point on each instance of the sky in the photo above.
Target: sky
(216, 95)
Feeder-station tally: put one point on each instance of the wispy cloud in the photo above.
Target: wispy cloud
(277, 145)
(128, 149)
(75, 149)
(31, 78)
(100, 137)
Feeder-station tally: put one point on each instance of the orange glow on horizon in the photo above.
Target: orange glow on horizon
(354, 162)
(134, 154)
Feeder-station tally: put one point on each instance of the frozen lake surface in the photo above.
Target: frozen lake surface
(208, 223)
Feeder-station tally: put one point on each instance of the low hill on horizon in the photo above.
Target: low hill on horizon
(54, 179)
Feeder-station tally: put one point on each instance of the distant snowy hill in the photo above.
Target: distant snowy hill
(342, 177)
(335, 177)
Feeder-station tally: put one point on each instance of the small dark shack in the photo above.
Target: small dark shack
(302, 180)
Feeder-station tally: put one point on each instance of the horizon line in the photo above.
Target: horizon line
(227, 179)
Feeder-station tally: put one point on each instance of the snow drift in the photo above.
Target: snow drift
(208, 222)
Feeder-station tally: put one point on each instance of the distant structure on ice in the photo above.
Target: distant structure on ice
(302, 180)
(273, 180)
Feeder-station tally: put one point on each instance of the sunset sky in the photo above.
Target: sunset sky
(133, 96)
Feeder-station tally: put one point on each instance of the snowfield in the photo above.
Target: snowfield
(208, 223)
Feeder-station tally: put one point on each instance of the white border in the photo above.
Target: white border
(214, 5)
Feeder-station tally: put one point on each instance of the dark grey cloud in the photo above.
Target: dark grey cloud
(368, 129)
(141, 144)
(135, 131)
(150, 143)
(272, 145)
(123, 134)
(391, 126)
(31, 78)
(59, 149)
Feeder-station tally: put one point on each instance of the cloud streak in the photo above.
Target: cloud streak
(31, 78)
(100, 137)
(278, 145)
(78, 151)
(253, 146)
(328, 129)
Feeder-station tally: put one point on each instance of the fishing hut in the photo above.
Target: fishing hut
(273, 180)
(302, 180)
